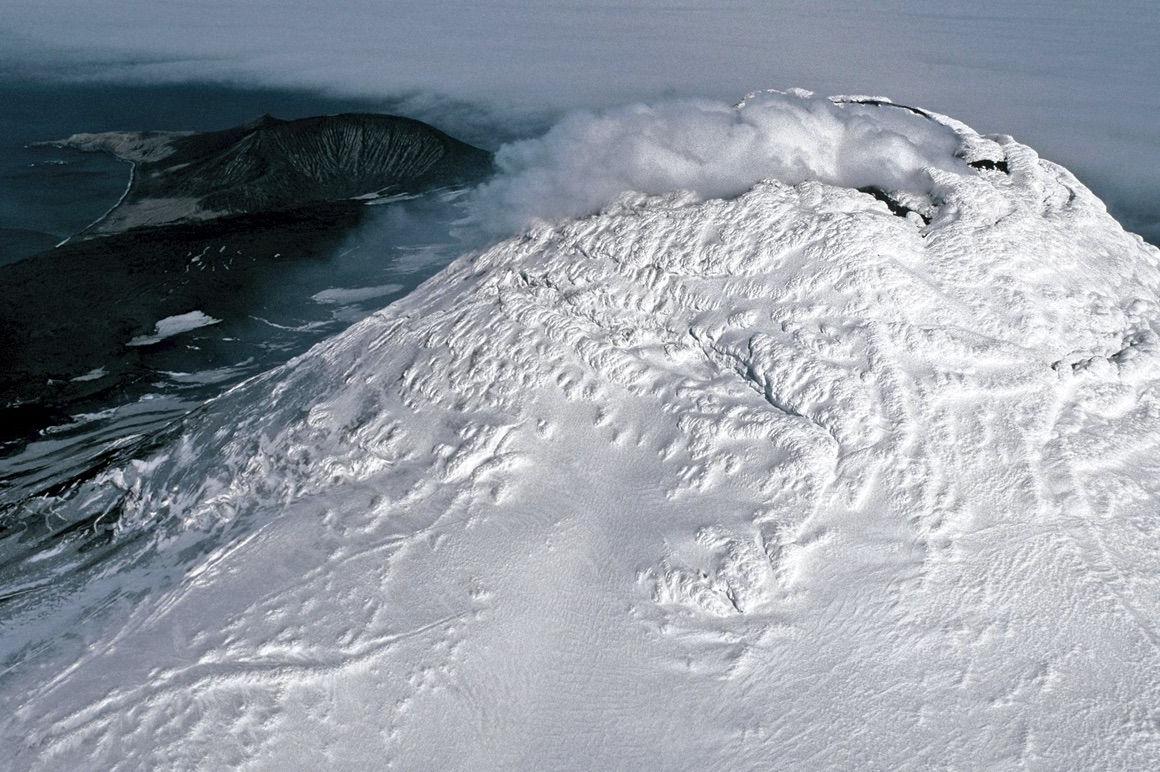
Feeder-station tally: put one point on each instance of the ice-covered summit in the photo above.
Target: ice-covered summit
(715, 149)
(800, 477)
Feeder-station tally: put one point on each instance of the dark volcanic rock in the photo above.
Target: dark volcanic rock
(271, 164)
(16, 242)
(73, 309)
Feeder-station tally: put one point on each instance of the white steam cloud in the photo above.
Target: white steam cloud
(712, 149)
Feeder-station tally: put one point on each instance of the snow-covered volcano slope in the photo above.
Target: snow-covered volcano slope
(781, 480)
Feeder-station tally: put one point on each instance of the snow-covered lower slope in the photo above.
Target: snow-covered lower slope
(788, 479)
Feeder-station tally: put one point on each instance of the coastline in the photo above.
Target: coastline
(111, 209)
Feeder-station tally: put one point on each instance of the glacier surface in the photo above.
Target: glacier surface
(794, 475)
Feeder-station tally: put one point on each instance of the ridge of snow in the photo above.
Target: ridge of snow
(781, 479)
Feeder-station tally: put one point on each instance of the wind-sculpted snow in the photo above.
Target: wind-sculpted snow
(781, 480)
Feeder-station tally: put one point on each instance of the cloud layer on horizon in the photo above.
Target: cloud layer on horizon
(1071, 81)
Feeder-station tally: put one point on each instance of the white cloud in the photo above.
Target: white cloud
(712, 149)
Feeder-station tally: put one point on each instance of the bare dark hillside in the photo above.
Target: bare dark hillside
(271, 164)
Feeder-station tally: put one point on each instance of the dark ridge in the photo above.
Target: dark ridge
(8, 597)
(270, 164)
(896, 208)
(982, 163)
(21, 421)
(987, 163)
(107, 459)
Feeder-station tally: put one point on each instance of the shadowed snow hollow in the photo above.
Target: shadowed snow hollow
(805, 477)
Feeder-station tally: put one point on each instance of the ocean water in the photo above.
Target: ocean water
(48, 194)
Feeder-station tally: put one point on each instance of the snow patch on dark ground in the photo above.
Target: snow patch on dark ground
(174, 325)
(714, 150)
(339, 295)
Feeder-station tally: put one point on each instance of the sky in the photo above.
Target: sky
(1076, 80)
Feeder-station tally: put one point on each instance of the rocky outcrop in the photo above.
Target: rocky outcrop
(271, 164)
